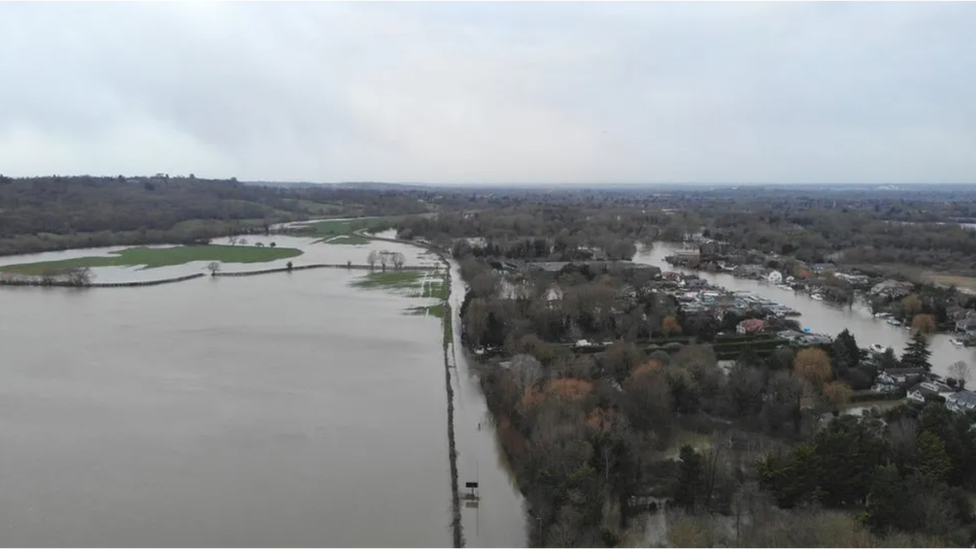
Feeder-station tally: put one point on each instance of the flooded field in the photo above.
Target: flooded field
(272, 410)
(313, 252)
(285, 409)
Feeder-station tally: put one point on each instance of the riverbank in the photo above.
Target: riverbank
(822, 316)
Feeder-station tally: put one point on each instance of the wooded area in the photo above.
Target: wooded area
(54, 213)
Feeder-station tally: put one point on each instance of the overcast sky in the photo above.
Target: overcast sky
(492, 92)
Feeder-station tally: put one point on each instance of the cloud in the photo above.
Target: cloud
(491, 92)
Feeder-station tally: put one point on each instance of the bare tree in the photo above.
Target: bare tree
(259, 244)
(960, 371)
(526, 372)
(384, 260)
(79, 276)
(272, 245)
(242, 241)
(213, 267)
(398, 260)
(372, 258)
(232, 240)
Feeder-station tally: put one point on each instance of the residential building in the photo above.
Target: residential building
(963, 401)
(750, 326)
(892, 289)
(901, 376)
(928, 389)
(775, 277)
(967, 324)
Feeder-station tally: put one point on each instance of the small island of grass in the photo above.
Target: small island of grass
(390, 279)
(151, 258)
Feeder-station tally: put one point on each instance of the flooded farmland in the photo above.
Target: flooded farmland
(289, 409)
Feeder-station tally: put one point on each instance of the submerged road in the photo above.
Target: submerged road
(498, 519)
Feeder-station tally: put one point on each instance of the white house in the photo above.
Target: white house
(775, 277)
(962, 401)
(919, 392)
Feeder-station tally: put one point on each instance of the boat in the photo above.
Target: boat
(956, 341)
(882, 315)
(816, 297)
(894, 322)
(878, 348)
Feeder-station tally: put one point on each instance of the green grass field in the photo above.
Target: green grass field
(335, 227)
(151, 258)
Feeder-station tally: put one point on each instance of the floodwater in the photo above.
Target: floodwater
(823, 317)
(277, 410)
(498, 519)
(312, 253)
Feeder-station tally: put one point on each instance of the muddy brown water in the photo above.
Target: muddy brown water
(273, 410)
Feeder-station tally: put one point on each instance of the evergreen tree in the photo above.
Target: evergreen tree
(930, 457)
(840, 357)
(917, 353)
(690, 474)
(888, 501)
(888, 359)
(853, 351)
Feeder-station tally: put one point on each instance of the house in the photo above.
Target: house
(750, 326)
(928, 389)
(554, 293)
(775, 277)
(749, 271)
(900, 376)
(967, 324)
(696, 283)
(821, 268)
(892, 289)
(963, 401)
(852, 279)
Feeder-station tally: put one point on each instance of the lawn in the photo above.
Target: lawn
(151, 258)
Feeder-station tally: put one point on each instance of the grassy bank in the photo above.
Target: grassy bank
(348, 239)
(329, 228)
(414, 284)
(151, 258)
(390, 279)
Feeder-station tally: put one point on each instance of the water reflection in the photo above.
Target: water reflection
(824, 317)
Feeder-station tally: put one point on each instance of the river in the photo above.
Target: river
(823, 317)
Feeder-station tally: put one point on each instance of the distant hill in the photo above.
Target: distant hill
(55, 213)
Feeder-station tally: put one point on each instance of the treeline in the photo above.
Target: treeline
(557, 232)
(816, 235)
(864, 227)
(52, 213)
(591, 435)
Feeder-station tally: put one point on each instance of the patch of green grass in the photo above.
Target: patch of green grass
(390, 279)
(151, 258)
(437, 311)
(334, 227)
